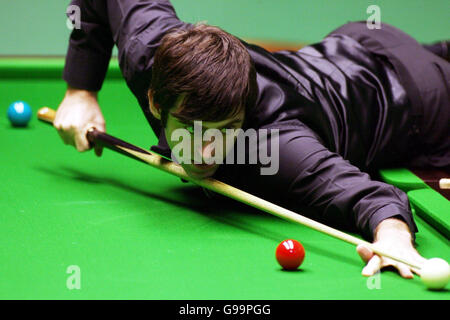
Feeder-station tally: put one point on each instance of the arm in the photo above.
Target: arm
(326, 187)
(136, 28)
(323, 186)
(89, 48)
(87, 61)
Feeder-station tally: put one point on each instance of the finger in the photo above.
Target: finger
(416, 271)
(372, 267)
(81, 142)
(64, 137)
(99, 127)
(404, 271)
(365, 253)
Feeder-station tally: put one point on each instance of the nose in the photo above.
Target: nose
(207, 151)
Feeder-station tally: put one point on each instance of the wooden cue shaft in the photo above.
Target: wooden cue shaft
(47, 115)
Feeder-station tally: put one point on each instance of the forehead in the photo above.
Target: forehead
(229, 120)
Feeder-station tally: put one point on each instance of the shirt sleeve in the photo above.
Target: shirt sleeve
(90, 45)
(136, 27)
(315, 182)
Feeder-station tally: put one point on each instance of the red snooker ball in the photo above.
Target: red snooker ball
(290, 254)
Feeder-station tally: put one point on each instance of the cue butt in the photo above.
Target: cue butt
(95, 137)
(46, 114)
(444, 183)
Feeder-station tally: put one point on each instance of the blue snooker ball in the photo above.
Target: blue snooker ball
(19, 113)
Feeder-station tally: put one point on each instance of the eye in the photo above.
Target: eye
(232, 128)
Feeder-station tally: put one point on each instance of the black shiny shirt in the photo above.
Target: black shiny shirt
(340, 110)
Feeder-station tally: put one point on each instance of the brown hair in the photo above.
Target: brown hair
(212, 67)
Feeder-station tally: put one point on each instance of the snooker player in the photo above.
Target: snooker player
(355, 102)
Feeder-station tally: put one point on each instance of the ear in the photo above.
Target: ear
(154, 108)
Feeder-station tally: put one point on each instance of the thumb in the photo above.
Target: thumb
(365, 253)
(98, 150)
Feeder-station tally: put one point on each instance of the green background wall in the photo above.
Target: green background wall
(30, 27)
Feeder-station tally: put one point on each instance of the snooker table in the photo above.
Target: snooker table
(133, 232)
(427, 198)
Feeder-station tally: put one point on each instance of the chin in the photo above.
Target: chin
(200, 174)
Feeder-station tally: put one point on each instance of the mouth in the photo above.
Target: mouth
(204, 166)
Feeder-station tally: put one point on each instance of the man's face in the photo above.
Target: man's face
(204, 149)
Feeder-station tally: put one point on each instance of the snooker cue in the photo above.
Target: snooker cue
(95, 137)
